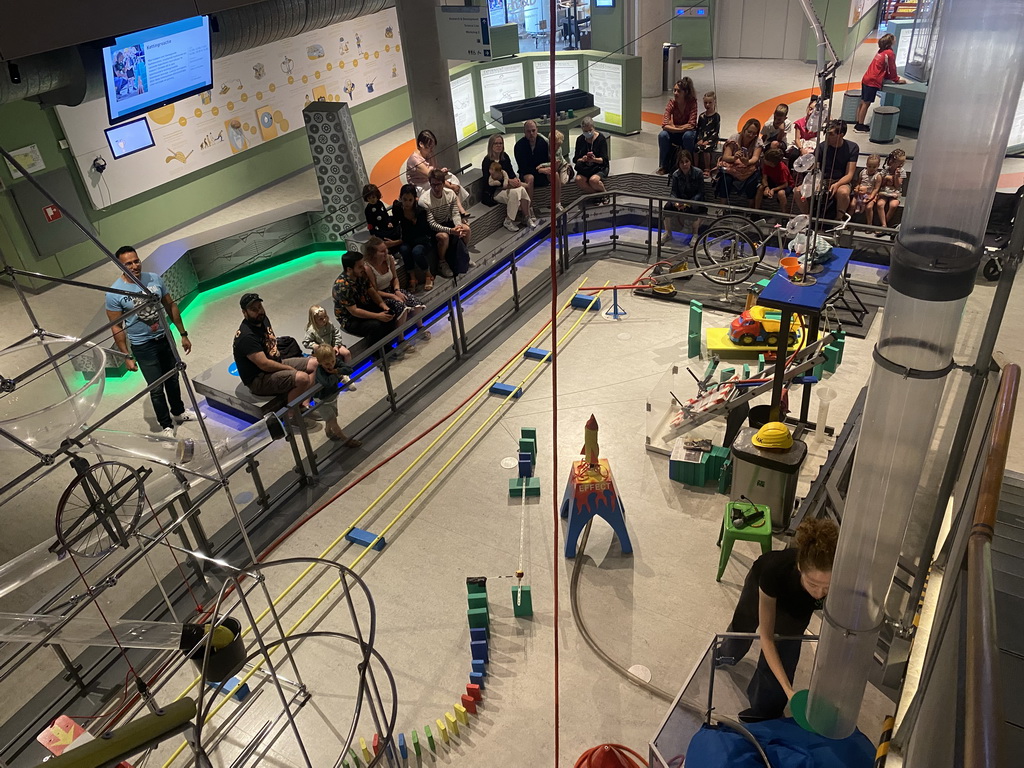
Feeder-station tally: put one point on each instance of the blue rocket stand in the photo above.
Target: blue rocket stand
(586, 497)
(616, 311)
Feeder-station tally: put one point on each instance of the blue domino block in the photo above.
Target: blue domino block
(525, 465)
(536, 353)
(364, 538)
(499, 388)
(480, 666)
(478, 649)
(403, 750)
(582, 301)
(478, 678)
(478, 633)
(240, 695)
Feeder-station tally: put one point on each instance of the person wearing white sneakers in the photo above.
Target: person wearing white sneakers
(444, 218)
(502, 186)
(138, 322)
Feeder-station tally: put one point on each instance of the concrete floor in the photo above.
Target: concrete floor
(658, 607)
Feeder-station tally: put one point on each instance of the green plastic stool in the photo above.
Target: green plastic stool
(728, 535)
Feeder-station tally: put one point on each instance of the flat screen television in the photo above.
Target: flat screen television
(604, 3)
(128, 138)
(158, 66)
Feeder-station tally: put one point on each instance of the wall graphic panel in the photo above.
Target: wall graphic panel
(258, 96)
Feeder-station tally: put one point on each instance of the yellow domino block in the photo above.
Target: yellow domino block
(367, 755)
(460, 713)
(453, 724)
(443, 730)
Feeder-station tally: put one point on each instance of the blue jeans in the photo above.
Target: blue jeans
(415, 256)
(667, 142)
(155, 358)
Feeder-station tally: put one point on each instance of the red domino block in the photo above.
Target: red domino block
(474, 690)
(376, 743)
(469, 703)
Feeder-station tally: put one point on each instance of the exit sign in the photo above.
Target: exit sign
(693, 12)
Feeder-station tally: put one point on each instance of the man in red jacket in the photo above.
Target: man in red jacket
(881, 68)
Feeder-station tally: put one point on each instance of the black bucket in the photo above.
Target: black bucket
(759, 416)
(224, 662)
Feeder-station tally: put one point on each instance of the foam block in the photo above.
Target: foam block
(460, 714)
(376, 743)
(365, 750)
(478, 600)
(516, 486)
(477, 633)
(355, 758)
(364, 538)
(476, 678)
(443, 730)
(240, 695)
(403, 750)
(536, 353)
(478, 649)
(416, 743)
(478, 618)
(504, 390)
(430, 738)
(474, 691)
(469, 703)
(476, 585)
(525, 465)
(522, 602)
(530, 433)
(582, 301)
(480, 666)
(452, 723)
(528, 445)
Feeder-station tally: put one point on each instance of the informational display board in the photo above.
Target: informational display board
(606, 85)
(464, 106)
(464, 32)
(258, 96)
(502, 84)
(1016, 142)
(567, 76)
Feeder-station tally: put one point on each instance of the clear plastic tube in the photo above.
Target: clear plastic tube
(129, 633)
(30, 564)
(956, 166)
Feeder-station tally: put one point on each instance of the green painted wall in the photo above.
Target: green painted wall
(835, 15)
(163, 208)
(607, 27)
(695, 35)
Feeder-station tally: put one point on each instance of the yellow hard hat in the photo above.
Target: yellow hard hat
(774, 434)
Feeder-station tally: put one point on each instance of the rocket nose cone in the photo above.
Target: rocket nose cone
(592, 423)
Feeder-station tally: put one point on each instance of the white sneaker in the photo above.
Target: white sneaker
(445, 270)
(167, 432)
(347, 381)
(472, 264)
(187, 415)
(559, 208)
(510, 225)
(533, 221)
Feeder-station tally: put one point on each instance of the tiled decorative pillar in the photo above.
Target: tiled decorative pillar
(340, 171)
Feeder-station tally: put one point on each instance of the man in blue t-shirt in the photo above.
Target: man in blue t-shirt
(150, 348)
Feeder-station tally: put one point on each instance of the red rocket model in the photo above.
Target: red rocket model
(591, 451)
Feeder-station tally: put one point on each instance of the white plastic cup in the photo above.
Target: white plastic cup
(825, 396)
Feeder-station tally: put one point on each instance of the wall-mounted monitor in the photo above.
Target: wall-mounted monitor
(604, 3)
(128, 138)
(154, 67)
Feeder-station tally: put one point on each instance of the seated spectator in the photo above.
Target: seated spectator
(328, 376)
(740, 163)
(591, 158)
(776, 180)
(259, 364)
(357, 306)
(423, 161)
(378, 218)
(678, 126)
(892, 187)
(687, 184)
(709, 124)
(837, 160)
(869, 181)
(776, 133)
(530, 152)
(321, 332)
(560, 175)
(444, 218)
(805, 132)
(502, 186)
(383, 275)
(417, 238)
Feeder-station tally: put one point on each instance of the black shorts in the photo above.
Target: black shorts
(868, 93)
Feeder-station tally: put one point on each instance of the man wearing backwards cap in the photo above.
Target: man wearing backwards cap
(259, 363)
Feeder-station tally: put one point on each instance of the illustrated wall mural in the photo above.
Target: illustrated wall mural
(258, 96)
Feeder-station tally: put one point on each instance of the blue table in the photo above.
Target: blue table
(789, 297)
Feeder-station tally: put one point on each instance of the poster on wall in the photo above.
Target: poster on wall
(1016, 142)
(859, 9)
(606, 85)
(502, 84)
(464, 106)
(567, 76)
(257, 96)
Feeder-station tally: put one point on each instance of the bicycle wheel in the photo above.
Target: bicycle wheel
(730, 250)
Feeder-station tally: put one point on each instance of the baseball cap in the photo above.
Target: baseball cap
(248, 299)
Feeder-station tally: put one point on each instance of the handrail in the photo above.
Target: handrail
(983, 699)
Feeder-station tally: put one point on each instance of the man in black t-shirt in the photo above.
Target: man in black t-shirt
(837, 159)
(531, 151)
(258, 361)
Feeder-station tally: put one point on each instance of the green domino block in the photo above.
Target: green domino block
(840, 344)
(528, 433)
(527, 445)
(344, 764)
(355, 758)
(818, 371)
(416, 743)
(478, 618)
(726, 373)
(478, 600)
(430, 738)
(760, 363)
(693, 345)
(831, 358)
(516, 486)
(523, 606)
